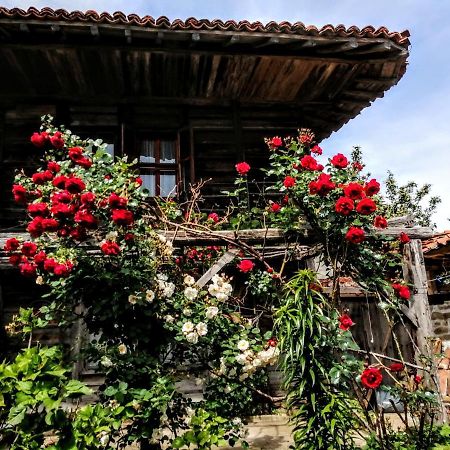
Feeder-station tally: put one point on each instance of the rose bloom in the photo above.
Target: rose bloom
(42, 177)
(372, 187)
(49, 265)
(396, 367)
(86, 219)
(245, 265)
(344, 206)
(15, 259)
(62, 197)
(138, 181)
(354, 191)
(117, 202)
(57, 140)
(213, 217)
(75, 153)
(289, 182)
(355, 235)
(339, 161)
(418, 379)
(85, 162)
(50, 224)
(28, 269)
(380, 222)
(122, 349)
(211, 312)
(38, 209)
(275, 207)
(61, 270)
(19, 193)
(322, 186)
(122, 217)
(59, 181)
(401, 291)
(110, 248)
(75, 185)
(345, 322)
(242, 168)
(61, 210)
(11, 245)
(308, 162)
(357, 166)
(87, 199)
(29, 248)
(53, 166)
(243, 345)
(276, 141)
(366, 206)
(371, 378)
(39, 139)
(35, 227)
(404, 238)
(317, 150)
(40, 258)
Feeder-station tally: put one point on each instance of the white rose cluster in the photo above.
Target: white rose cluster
(165, 287)
(220, 288)
(193, 332)
(211, 312)
(148, 296)
(253, 361)
(166, 247)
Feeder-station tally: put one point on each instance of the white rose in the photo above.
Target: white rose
(190, 293)
(213, 290)
(169, 319)
(192, 337)
(202, 329)
(149, 295)
(188, 327)
(187, 312)
(161, 276)
(39, 280)
(169, 289)
(221, 297)
(106, 362)
(132, 299)
(122, 349)
(243, 345)
(256, 362)
(241, 359)
(188, 280)
(211, 312)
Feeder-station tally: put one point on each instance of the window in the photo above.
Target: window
(158, 162)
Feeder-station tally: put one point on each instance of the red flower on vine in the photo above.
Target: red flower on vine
(246, 266)
(372, 187)
(57, 140)
(29, 249)
(401, 291)
(275, 207)
(213, 217)
(53, 166)
(354, 191)
(396, 367)
(122, 217)
(289, 182)
(242, 168)
(19, 193)
(355, 235)
(11, 245)
(75, 185)
(110, 248)
(371, 378)
(366, 206)
(276, 142)
(404, 238)
(38, 209)
(339, 161)
(322, 186)
(308, 162)
(344, 206)
(380, 222)
(345, 322)
(39, 139)
(317, 150)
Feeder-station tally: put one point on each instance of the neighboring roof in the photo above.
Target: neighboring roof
(164, 23)
(436, 243)
(321, 77)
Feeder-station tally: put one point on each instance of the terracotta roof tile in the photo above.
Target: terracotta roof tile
(437, 241)
(164, 23)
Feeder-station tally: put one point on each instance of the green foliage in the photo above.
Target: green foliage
(317, 372)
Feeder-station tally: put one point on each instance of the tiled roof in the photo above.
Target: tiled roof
(437, 241)
(192, 24)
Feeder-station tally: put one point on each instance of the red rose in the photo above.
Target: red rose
(317, 150)
(40, 258)
(276, 142)
(35, 227)
(355, 235)
(418, 379)
(339, 161)
(322, 186)
(28, 269)
(242, 168)
(344, 206)
(49, 265)
(245, 265)
(138, 181)
(371, 378)
(39, 139)
(357, 166)
(354, 191)
(15, 259)
(129, 237)
(50, 225)
(275, 207)
(75, 185)
(61, 210)
(366, 206)
(61, 270)
(53, 166)
(38, 209)
(11, 245)
(272, 342)
(214, 217)
(401, 291)
(289, 182)
(396, 367)
(308, 162)
(75, 153)
(29, 248)
(61, 197)
(380, 222)
(122, 217)
(42, 177)
(57, 140)
(79, 233)
(86, 163)
(88, 198)
(19, 193)
(60, 181)
(372, 187)
(404, 238)
(86, 219)
(345, 322)
(110, 248)
(64, 231)
(117, 202)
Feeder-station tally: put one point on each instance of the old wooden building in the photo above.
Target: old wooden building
(187, 98)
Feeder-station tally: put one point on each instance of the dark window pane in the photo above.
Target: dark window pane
(147, 151)
(168, 151)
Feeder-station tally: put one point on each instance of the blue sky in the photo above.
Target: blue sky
(407, 131)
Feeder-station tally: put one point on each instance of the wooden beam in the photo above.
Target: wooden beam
(339, 47)
(128, 37)
(235, 39)
(268, 41)
(24, 28)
